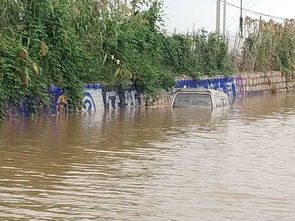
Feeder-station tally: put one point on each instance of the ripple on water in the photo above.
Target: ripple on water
(152, 164)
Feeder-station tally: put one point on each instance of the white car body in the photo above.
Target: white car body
(200, 98)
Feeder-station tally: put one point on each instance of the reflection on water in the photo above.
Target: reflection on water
(152, 164)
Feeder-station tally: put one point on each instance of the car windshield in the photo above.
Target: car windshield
(192, 100)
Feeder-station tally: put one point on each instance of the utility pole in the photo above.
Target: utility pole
(241, 20)
(224, 18)
(218, 16)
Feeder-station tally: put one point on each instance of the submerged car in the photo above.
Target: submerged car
(200, 98)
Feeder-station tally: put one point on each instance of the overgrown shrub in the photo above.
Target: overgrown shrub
(71, 42)
(198, 54)
(269, 46)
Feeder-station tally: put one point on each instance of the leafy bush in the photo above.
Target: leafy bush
(198, 54)
(68, 43)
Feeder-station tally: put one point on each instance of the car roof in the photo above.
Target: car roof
(194, 90)
(203, 90)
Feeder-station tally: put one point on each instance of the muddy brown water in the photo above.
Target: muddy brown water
(152, 164)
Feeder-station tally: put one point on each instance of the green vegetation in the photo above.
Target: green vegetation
(71, 42)
(197, 54)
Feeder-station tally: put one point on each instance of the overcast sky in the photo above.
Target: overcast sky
(186, 14)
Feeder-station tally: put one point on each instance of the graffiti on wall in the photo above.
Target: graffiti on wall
(61, 105)
(112, 100)
(88, 102)
(59, 102)
(92, 98)
(97, 97)
(130, 98)
(225, 84)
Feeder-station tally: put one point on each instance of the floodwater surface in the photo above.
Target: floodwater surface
(152, 164)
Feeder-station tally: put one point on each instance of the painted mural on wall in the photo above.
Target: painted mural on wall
(88, 102)
(92, 98)
(112, 100)
(130, 98)
(58, 105)
(59, 102)
(98, 97)
(225, 84)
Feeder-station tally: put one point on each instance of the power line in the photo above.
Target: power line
(231, 21)
(254, 12)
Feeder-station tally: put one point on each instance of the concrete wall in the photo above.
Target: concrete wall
(263, 82)
(98, 97)
(243, 84)
(238, 85)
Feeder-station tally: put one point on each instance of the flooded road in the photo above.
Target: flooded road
(152, 164)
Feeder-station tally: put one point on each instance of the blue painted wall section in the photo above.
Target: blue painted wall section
(58, 104)
(225, 84)
(21, 109)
